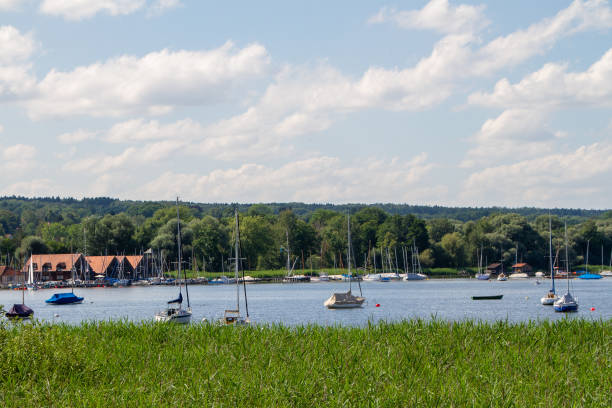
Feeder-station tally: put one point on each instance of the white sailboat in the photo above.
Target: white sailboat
(31, 284)
(566, 303)
(481, 275)
(551, 297)
(346, 300)
(233, 316)
(417, 271)
(174, 312)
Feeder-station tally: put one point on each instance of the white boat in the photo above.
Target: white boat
(372, 277)
(346, 300)
(566, 303)
(174, 312)
(417, 271)
(519, 275)
(502, 277)
(232, 317)
(30, 284)
(606, 274)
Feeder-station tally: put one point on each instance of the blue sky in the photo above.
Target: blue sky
(441, 102)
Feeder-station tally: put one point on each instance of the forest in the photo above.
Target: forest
(314, 234)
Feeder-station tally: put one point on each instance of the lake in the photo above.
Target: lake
(302, 303)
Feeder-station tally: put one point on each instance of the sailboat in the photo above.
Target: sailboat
(551, 297)
(20, 310)
(481, 275)
(346, 300)
(66, 298)
(233, 316)
(586, 274)
(174, 312)
(30, 284)
(566, 303)
(417, 271)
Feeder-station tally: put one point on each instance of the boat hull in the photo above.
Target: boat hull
(491, 297)
(566, 308)
(344, 305)
(180, 318)
(546, 301)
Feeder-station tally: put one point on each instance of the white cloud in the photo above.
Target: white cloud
(15, 47)
(17, 158)
(436, 15)
(153, 84)
(16, 79)
(77, 136)
(82, 9)
(559, 179)
(160, 6)
(317, 179)
(139, 130)
(553, 87)
(8, 5)
(515, 133)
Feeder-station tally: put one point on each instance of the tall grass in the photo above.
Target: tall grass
(435, 363)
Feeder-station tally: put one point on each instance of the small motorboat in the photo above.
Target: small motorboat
(502, 277)
(64, 299)
(488, 297)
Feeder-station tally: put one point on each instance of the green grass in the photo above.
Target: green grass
(561, 364)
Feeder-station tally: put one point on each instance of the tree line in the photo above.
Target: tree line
(315, 237)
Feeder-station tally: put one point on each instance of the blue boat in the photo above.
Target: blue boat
(64, 299)
(589, 276)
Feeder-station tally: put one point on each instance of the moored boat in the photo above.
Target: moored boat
(487, 297)
(346, 300)
(64, 299)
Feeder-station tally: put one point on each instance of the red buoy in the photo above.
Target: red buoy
(592, 309)
(378, 305)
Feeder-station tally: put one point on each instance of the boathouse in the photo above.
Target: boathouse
(55, 267)
(495, 268)
(522, 268)
(10, 275)
(102, 266)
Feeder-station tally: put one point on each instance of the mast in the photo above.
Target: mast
(566, 258)
(178, 231)
(237, 254)
(552, 269)
(287, 250)
(238, 259)
(349, 251)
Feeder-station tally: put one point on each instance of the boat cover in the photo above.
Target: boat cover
(590, 276)
(179, 299)
(565, 299)
(64, 298)
(20, 310)
(345, 298)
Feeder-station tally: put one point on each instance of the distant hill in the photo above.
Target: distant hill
(106, 205)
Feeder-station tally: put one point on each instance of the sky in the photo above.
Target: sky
(453, 103)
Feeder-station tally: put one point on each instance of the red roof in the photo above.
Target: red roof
(134, 260)
(99, 264)
(7, 271)
(53, 259)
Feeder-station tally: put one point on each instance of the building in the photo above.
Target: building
(102, 266)
(55, 267)
(522, 268)
(495, 268)
(10, 275)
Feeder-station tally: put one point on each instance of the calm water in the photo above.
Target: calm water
(302, 303)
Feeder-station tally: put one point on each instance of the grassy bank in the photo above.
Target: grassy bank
(562, 364)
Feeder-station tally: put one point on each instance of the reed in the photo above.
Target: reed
(413, 363)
